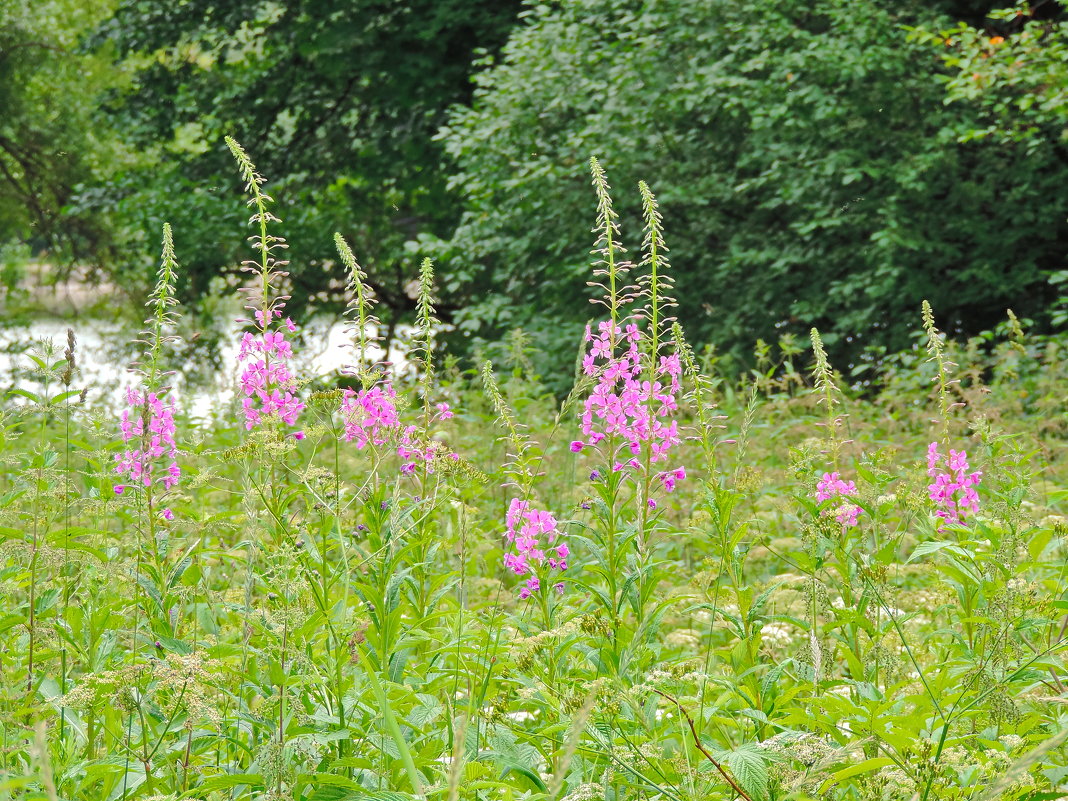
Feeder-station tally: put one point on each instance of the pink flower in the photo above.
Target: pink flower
(444, 413)
(119, 489)
(632, 401)
(266, 382)
(298, 435)
(415, 449)
(167, 514)
(148, 423)
(952, 490)
(534, 535)
(831, 486)
(669, 478)
(370, 415)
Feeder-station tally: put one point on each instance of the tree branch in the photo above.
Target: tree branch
(701, 748)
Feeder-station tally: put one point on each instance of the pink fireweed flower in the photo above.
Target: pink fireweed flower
(531, 586)
(148, 422)
(831, 486)
(444, 412)
(265, 320)
(670, 477)
(415, 449)
(370, 415)
(952, 490)
(537, 542)
(266, 382)
(167, 514)
(628, 403)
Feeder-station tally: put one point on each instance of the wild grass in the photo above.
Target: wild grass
(671, 585)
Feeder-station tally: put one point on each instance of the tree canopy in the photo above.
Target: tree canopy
(48, 146)
(338, 100)
(818, 162)
(808, 168)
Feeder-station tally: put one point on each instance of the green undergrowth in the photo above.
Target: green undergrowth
(304, 614)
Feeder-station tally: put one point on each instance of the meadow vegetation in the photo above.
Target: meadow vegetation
(673, 583)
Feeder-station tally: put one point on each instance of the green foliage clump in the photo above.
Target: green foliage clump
(1014, 70)
(50, 145)
(342, 100)
(767, 590)
(803, 152)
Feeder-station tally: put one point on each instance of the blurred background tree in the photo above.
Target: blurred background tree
(338, 102)
(818, 162)
(49, 145)
(808, 167)
(1013, 70)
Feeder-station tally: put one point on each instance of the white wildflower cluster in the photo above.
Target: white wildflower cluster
(1011, 742)
(526, 648)
(808, 749)
(777, 635)
(684, 638)
(662, 714)
(650, 751)
(894, 784)
(584, 792)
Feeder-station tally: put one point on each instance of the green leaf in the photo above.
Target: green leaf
(933, 546)
(867, 766)
(224, 782)
(748, 764)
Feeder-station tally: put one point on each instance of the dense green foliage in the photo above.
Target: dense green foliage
(301, 615)
(342, 98)
(803, 151)
(825, 162)
(1016, 71)
(48, 143)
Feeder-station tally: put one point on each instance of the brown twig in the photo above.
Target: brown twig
(701, 748)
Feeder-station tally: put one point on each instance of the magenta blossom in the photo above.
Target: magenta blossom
(369, 415)
(535, 535)
(670, 477)
(632, 402)
(831, 486)
(266, 382)
(952, 490)
(148, 421)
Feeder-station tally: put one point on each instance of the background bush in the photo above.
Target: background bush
(803, 151)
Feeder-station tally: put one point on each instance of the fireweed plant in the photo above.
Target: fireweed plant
(420, 583)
